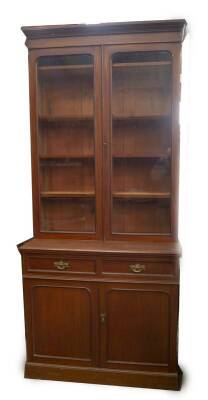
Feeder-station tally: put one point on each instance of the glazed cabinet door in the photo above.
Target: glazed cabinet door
(61, 322)
(139, 326)
(65, 89)
(141, 139)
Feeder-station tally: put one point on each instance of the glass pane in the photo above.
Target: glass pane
(66, 143)
(141, 142)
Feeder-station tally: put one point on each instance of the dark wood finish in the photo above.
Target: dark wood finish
(71, 337)
(34, 32)
(154, 380)
(101, 247)
(146, 215)
(102, 267)
(147, 137)
(56, 265)
(61, 136)
(101, 274)
(88, 221)
(143, 342)
(141, 268)
(104, 40)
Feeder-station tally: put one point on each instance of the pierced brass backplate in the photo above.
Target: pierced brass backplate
(137, 268)
(61, 265)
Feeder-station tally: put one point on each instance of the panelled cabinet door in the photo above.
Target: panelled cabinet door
(141, 140)
(138, 326)
(66, 138)
(61, 322)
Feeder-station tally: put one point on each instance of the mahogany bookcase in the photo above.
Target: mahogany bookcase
(101, 274)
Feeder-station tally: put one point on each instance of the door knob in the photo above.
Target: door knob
(103, 318)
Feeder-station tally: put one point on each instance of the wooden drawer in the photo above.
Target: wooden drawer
(59, 265)
(140, 268)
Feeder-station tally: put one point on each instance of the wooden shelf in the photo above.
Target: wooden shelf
(139, 117)
(65, 156)
(90, 118)
(160, 155)
(68, 156)
(36, 245)
(141, 195)
(66, 118)
(65, 67)
(64, 194)
(141, 64)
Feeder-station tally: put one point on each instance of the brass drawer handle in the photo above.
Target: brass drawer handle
(61, 265)
(137, 268)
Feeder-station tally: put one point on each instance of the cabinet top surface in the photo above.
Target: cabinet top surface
(95, 246)
(133, 27)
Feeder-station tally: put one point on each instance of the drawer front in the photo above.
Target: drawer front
(142, 268)
(59, 265)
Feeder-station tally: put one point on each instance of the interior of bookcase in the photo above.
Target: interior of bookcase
(66, 143)
(141, 142)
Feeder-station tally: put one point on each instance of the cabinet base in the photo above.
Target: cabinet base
(153, 380)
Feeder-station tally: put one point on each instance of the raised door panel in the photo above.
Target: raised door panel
(61, 322)
(141, 140)
(139, 326)
(66, 141)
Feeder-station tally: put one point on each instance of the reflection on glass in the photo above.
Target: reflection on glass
(66, 143)
(141, 142)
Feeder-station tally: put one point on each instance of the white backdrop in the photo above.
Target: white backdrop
(15, 181)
